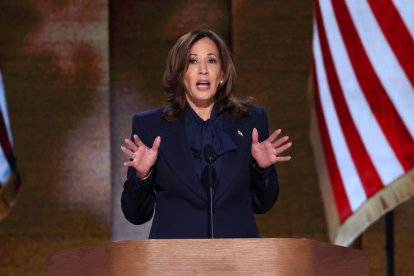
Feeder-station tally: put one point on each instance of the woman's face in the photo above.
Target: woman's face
(203, 74)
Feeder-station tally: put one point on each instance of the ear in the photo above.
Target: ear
(221, 78)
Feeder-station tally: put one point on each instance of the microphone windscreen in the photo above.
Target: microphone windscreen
(209, 153)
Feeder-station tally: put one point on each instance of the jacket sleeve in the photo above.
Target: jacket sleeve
(138, 196)
(265, 184)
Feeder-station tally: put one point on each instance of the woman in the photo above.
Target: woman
(167, 171)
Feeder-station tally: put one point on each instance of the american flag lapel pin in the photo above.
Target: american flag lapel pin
(240, 133)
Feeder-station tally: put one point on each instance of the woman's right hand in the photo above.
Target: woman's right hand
(141, 157)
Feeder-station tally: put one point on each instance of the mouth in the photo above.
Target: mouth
(203, 84)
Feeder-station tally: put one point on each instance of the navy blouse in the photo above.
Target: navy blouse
(200, 133)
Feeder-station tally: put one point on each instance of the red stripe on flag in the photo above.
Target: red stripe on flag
(341, 200)
(383, 109)
(396, 33)
(363, 163)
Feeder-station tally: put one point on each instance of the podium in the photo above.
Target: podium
(211, 257)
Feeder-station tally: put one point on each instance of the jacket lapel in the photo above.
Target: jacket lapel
(175, 150)
(240, 132)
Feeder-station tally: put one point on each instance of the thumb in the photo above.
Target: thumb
(156, 143)
(255, 136)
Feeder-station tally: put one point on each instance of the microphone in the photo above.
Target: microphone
(209, 154)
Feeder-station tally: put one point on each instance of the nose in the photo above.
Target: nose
(203, 70)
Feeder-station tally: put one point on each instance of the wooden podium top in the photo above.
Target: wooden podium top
(211, 257)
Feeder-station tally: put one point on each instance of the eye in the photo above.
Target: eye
(193, 61)
(212, 61)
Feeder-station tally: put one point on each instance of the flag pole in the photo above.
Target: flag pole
(389, 243)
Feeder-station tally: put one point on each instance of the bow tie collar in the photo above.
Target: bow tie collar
(208, 132)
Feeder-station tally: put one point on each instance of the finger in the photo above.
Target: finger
(283, 148)
(283, 158)
(138, 141)
(255, 136)
(128, 164)
(280, 141)
(127, 152)
(131, 145)
(274, 135)
(156, 143)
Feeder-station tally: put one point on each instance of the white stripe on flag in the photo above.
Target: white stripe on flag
(3, 106)
(406, 10)
(384, 61)
(353, 186)
(378, 148)
(5, 170)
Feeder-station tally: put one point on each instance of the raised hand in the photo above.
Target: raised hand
(268, 152)
(141, 157)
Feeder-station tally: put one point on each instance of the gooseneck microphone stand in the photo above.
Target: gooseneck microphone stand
(209, 154)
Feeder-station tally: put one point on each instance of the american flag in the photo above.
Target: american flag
(363, 110)
(9, 177)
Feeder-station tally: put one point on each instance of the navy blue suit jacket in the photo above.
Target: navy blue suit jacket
(176, 194)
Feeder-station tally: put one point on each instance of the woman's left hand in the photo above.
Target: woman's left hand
(267, 152)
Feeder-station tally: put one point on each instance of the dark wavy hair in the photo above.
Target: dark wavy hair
(177, 63)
